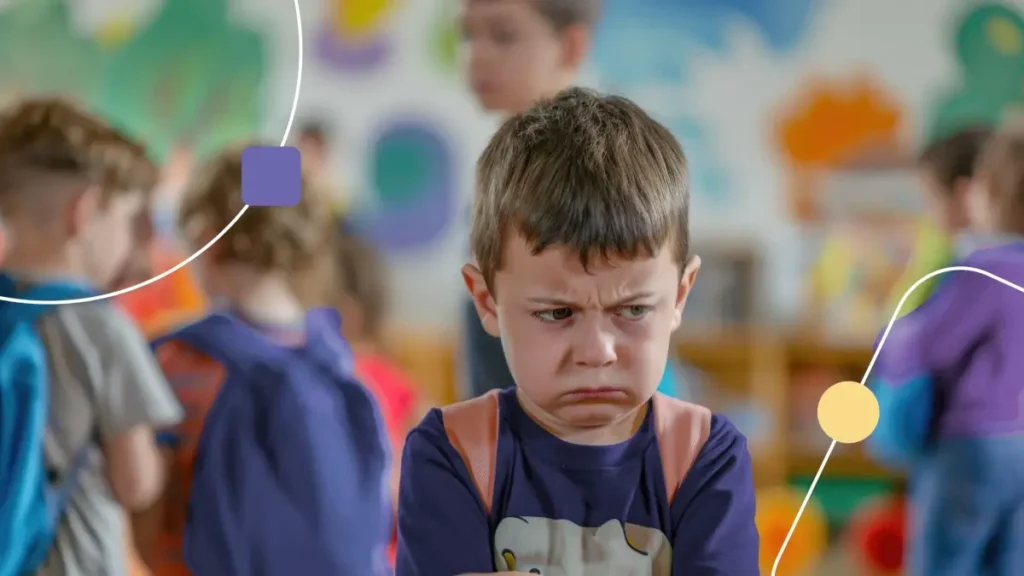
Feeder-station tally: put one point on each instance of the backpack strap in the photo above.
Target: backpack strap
(472, 429)
(224, 340)
(682, 430)
(60, 496)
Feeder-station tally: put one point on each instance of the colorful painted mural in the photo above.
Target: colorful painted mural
(357, 37)
(413, 176)
(153, 81)
(648, 44)
(988, 45)
(408, 157)
(853, 188)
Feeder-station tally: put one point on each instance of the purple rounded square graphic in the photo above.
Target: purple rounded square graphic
(271, 176)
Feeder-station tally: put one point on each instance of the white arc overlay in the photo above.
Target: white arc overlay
(867, 373)
(187, 261)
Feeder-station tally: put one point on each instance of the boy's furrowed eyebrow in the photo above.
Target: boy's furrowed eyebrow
(562, 303)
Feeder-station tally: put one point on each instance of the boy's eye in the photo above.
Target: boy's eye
(634, 312)
(554, 315)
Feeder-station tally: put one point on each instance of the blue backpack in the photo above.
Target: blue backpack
(31, 503)
(290, 472)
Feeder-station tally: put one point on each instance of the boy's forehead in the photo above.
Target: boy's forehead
(560, 267)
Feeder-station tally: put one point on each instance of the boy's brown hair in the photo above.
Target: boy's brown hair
(953, 158)
(590, 172)
(564, 13)
(54, 138)
(362, 276)
(1001, 168)
(288, 239)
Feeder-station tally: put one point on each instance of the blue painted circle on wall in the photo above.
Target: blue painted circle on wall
(412, 176)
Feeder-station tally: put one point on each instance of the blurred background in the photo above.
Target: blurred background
(800, 118)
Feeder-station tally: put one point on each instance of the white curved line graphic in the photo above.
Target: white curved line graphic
(867, 373)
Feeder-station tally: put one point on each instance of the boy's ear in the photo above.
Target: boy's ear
(575, 45)
(482, 299)
(82, 209)
(685, 285)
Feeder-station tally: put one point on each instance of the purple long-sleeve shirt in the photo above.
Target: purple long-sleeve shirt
(966, 339)
(562, 508)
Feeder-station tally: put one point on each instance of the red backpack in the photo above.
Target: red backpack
(472, 428)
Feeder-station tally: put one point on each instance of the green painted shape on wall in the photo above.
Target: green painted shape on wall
(44, 54)
(989, 48)
(191, 76)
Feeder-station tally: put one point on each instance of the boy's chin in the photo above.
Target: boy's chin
(585, 415)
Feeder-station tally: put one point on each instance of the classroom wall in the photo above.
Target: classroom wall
(763, 95)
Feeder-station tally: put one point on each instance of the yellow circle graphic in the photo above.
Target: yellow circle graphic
(848, 412)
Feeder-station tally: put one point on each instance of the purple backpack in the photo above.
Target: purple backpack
(291, 467)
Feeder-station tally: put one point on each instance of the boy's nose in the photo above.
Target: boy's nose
(595, 348)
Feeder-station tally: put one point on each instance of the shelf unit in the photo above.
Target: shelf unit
(768, 369)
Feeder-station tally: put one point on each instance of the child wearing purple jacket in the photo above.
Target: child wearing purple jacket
(950, 389)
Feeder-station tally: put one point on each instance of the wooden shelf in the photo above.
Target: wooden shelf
(843, 464)
(764, 367)
(804, 350)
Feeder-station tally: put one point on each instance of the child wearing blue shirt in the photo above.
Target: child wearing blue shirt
(581, 239)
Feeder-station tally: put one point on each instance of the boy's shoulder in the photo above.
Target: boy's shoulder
(686, 418)
(700, 453)
(688, 434)
(981, 250)
(104, 326)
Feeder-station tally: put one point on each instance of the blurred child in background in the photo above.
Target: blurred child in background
(518, 53)
(178, 298)
(72, 191)
(949, 387)
(363, 302)
(314, 143)
(946, 167)
(292, 475)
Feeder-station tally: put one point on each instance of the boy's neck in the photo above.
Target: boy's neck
(268, 299)
(34, 267)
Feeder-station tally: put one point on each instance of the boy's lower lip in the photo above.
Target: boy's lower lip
(595, 393)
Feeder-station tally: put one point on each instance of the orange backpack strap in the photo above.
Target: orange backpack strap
(682, 430)
(472, 428)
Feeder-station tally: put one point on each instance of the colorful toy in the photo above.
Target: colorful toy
(876, 536)
(776, 510)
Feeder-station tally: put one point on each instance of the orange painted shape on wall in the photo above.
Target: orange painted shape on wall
(830, 122)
